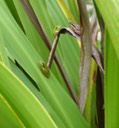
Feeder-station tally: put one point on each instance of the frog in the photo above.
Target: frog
(44, 69)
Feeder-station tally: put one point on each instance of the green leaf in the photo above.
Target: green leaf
(23, 102)
(111, 85)
(13, 11)
(111, 19)
(110, 13)
(8, 118)
(69, 8)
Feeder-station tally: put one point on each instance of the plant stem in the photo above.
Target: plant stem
(86, 51)
(52, 51)
(52, 55)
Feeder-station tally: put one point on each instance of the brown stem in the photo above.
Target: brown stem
(86, 46)
(98, 58)
(67, 81)
(52, 54)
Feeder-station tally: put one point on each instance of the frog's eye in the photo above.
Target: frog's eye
(44, 69)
